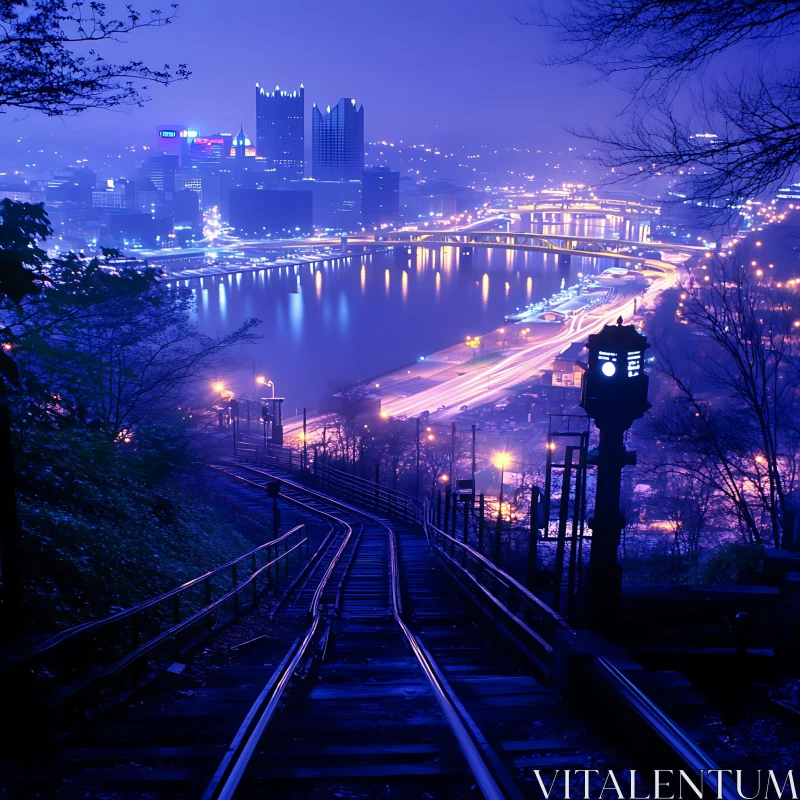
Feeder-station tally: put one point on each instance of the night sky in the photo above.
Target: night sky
(439, 71)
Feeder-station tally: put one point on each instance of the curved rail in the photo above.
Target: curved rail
(444, 696)
(653, 719)
(533, 618)
(231, 770)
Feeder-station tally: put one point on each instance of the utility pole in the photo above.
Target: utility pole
(563, 513)
(533, 542)
(481, 522)
(473, 459)
(417, 458)
(453, 455)
(501, 460)
(305, 445)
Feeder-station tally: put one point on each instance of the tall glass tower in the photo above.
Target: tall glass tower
(280, 130)
(338, 146)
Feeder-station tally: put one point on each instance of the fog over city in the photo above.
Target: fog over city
(399, 400)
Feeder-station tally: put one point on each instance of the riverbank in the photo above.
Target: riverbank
(259, 265)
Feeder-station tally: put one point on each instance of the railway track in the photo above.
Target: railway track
(369, 673)
(411, 695)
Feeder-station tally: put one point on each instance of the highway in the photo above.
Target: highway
(490, 384)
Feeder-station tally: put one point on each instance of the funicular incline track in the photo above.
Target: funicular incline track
(516, 723)
(164, 741)
(376, 715)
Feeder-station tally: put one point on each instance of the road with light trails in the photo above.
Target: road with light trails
(493, 382)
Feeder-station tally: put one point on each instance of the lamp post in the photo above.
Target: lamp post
(501, 461)
(262, 381)
(614, 395)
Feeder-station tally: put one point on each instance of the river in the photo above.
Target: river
(338, 322)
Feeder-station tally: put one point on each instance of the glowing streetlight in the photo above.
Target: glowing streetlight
(218, 386)
(501, 461)
(262, 381)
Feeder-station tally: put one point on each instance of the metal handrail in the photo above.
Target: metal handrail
(373, 494)
(92, 625)
(367, 483)
(127, 649)
(665, 728)
(499, 573)
(131, 658)
(283, 456)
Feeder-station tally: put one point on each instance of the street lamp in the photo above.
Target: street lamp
(501, 461)
(218, 386)
(264, 382)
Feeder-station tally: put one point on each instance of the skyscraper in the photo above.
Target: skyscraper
(338, 146)
(280, 130)
(380, 197)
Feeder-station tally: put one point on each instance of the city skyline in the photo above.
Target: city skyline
(503, 72)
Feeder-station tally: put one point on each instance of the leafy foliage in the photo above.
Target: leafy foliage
(107, 359)
(106, 526)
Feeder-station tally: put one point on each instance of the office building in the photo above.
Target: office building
(73, 188)
(338, 142)
(210, 151)
(256, 213)
(336, 204)
(186, 217)
(176, 141)
(380, 197)
(123, 228)
(115, 195)
(280, 131)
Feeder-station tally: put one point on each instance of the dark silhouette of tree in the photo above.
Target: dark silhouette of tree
(49, 63)
(22, 227)
(49, 60)
(691, 70)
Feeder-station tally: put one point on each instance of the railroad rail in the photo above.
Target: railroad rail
(376, 553)
(369, 671)
(529, 623)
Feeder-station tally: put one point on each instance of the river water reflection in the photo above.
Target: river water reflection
(339, 322)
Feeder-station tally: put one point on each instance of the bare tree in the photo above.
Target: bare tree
(687, 506)
(348, 409)
(733, 369)
(117, 344)
(49, 60)
(690, 72)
